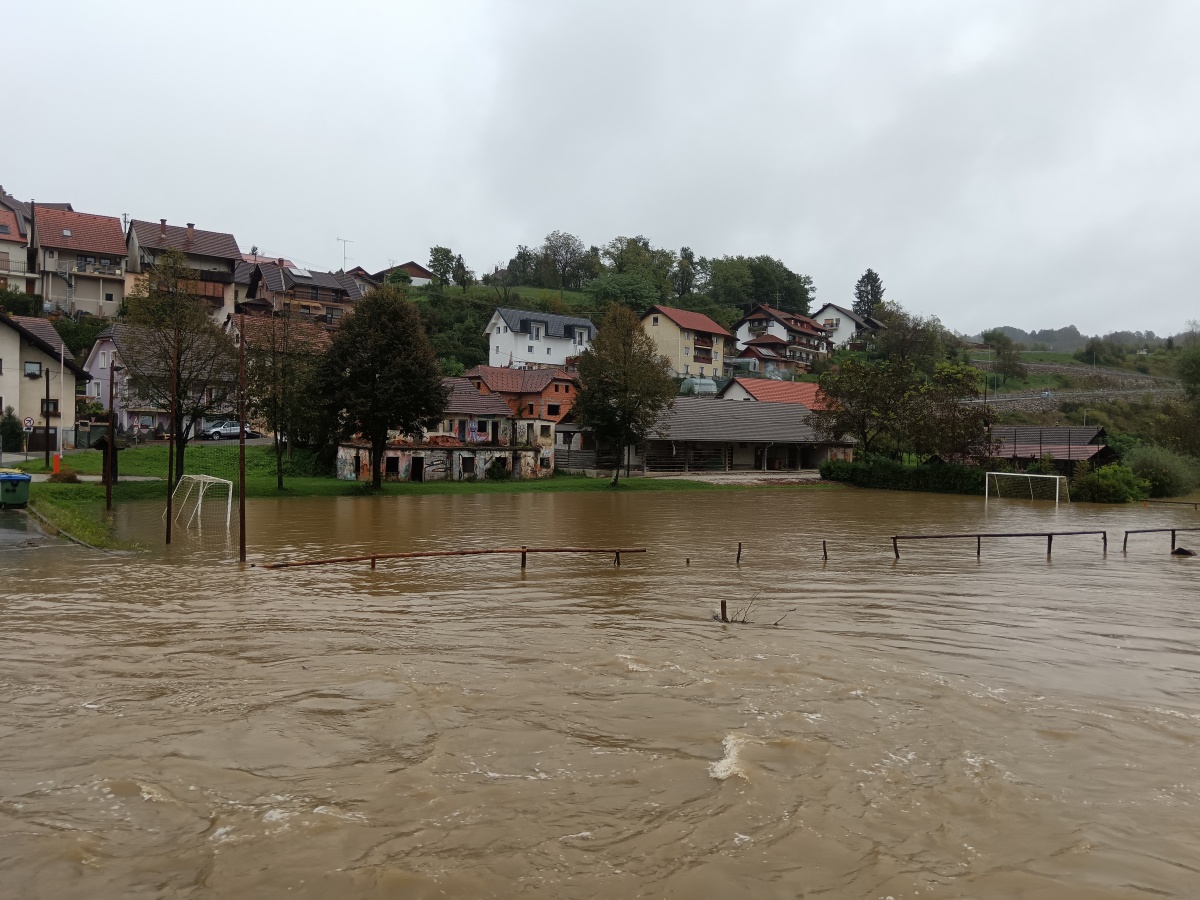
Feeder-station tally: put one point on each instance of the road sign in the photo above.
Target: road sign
(137, 429)
(29, 421)
(29, 429)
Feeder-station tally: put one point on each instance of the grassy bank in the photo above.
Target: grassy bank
(78, 509)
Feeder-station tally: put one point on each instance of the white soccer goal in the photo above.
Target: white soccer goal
(190, 507)
(1041, 492)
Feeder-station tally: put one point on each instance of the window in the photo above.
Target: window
(497, 348)
(687, 351)
(549, 351)
(702, 370)
(49, 407)
(314, 293)
(567, 388)
(4, 229)
(535, 332)
(66, 232)
(49, 254)
(687, 336)
(654, 320)
(108, 298)
(506, 329)
(497, 329)
(685, 369)
(530, 348)
(552, 409)
(556, 389)
(33, 369)
(531, 409)
(104, 359)
(546, 431)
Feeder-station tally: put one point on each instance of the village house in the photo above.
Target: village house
(213, 254)
(1065, 445)
(707, 434)
(38, 380)
(530, 393)
(79, 260)
(845, 325)
(363, 279)
(14, 255)
(770, 390)
(103, 364)
(320, 297)
(524, 338)
(479, 431)
(794, 341)
(418, 275)
(693, 342)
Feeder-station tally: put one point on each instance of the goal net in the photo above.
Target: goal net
(1022, 486)
(202, 508)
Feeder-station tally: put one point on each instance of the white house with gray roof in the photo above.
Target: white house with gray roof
(523, 338)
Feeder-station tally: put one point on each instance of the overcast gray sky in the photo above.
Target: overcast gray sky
(1024, 163)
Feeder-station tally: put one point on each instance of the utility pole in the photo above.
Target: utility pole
(46, 414)
(242, 438)
(344, 241)
(112, 440)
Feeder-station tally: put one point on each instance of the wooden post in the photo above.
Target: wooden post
(1104, 537)
(824, 550)
(242, 439)
(1172, 538)
(739, 556)
(523, 548)
(895, 548)
(687, 561)
(724, 614)
(372, 564)
(1049, 543)
(617, 559)
(978, 546)
(1125, 543)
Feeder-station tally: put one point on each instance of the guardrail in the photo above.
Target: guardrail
(421, 554)
(1125, 543)
(1048, 535)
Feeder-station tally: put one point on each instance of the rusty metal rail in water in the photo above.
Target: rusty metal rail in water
(1125, 543)
(1048, 535)
(1173, 503)
(423, 554)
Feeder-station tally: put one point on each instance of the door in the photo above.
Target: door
(37, 439)
(417, 472)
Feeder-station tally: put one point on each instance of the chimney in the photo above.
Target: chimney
(191, 231)
(279, 262)
(162, 227)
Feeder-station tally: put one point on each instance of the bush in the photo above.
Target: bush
(1113, 483)
(887, 474)
(497, 470)
(1170, 474)
(12, 436)
(64, 477)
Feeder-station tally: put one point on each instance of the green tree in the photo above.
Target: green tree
(869, 400)
(910, 339)
(1007, 362)
(12, 436)
(463, 276)
(16, 303)
(380, 374)
(177, 358)
(868, 294)
(441, 264)
(683, 278)
(632, 290)
(634, 256)
(747, 281)
(565, 255)
(282, 356)
(939, 422)
(624, 384)
(1188, 368)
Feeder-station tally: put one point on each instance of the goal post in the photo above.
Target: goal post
(190, 506)
(1061, 483)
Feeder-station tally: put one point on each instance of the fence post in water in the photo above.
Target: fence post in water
(1049, 543)
(523, 557)
(617, 559)
(1172, 538)
(739, 556)
(724, 614)
(824, 550)
(372, 564)
(896, 548)
(1104, 537)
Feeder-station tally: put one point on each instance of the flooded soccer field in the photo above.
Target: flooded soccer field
(937, 726)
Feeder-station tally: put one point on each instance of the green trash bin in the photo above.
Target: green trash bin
(14, 488)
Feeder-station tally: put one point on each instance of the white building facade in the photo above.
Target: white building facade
(523, 338)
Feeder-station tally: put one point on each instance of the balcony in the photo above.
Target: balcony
(704, 343)
(13, 266)
(98, 269)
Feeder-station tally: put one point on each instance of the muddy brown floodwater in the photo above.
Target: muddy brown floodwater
(933, 727)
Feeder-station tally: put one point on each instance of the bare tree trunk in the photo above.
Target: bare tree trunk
(377, 448)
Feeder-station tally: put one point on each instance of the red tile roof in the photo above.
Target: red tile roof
(263, 332)
(767, 389)
(156, 236)
(692, 321)
(9, 218)
(788, 320)
(767, 338)
(67, 230)
(516, 381)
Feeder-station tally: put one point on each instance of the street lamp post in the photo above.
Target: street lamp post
(112, 438)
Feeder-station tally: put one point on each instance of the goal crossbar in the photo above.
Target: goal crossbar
(1059, 481)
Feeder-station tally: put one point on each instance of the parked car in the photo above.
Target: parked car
(227, 429)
